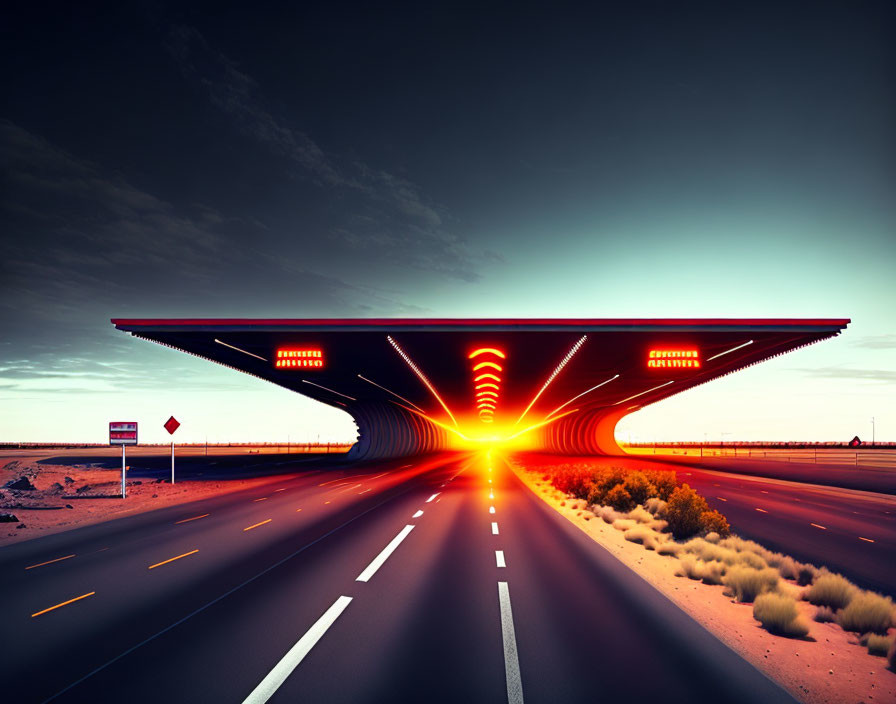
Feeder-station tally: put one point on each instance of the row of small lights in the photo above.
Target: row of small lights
(486, 382)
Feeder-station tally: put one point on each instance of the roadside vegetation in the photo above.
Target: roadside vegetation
(653, 509)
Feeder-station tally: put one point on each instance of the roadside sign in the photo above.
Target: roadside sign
(171, 425)
(122, 433)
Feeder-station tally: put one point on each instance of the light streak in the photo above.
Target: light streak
(389, 392)
(422, 377)
(557, 370)
(733, 349)
(350, 398)
(643, 392)
(582, 394)
(240, 350)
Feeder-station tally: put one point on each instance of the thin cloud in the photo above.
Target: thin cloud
(884, 376)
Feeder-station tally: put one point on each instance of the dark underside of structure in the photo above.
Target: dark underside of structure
(416, 386)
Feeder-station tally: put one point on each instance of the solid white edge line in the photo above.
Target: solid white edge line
(417, 515)
(378, 561)
(432, 497)
(283, 669)
(508, 635)
(494, 528)
(499, 558)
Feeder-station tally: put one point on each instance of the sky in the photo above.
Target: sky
(639, 159)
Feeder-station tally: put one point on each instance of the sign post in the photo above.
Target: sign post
(124, 434)
(171, 425)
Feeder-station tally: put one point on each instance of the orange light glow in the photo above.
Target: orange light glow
(488, 376)
(306, 358)
(487, 386)
(482, 365)
(673, 359)
(486, 350)
(487, 393)
(487, 404)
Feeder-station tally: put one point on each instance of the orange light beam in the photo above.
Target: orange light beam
(389, 392)
(644, 392)
(488, 376)
(542, 423)
(581, 394)
(439, 423)
(422, 377)
(557, 370)
(487, 385)
(486, 350)
(481, 365)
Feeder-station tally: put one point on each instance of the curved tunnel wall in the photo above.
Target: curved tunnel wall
(587, 433)
(386, 430)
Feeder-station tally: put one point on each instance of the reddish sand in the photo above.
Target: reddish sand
(827, 667)
(56, 504)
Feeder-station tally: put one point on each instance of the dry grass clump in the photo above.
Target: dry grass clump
(877, 644)
(866, 612)
(714, 572)
(670, 548)
(712, 537)
(607, 513)
(746, 583)
(656, 506)
(690, 567)
(778, 614)
(644, 536)
(624, 524)
(751, 559)
(832, 590)
(641, 515)
(707, 551)
(659, 526)
(825, 614)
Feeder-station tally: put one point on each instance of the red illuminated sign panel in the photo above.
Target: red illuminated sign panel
(122, 433)
(673, 359)
(307, 358)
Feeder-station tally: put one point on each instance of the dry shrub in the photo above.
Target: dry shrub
(878, 645)
(715, 522)
(787, 567)
(778, 614)
(619, 498)
(664, 483)
(690, 567)
(624, 524)
(825, 614)
(643, 536)
(638, 487)
(830, 589)
(708, 551)
(714, 572)
(746, 583)
(712, 537)
(866, 612)
(669, 548)
(684, 510)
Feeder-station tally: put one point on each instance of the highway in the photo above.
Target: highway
(438, 579)
(849, 531)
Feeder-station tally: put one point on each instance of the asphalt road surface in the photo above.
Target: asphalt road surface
(418, 581)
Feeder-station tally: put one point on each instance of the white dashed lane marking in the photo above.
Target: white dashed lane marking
(378, 561)
(417, 515)
(494, 528)
(499, 558)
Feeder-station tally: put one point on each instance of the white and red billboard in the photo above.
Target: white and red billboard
(122, 433)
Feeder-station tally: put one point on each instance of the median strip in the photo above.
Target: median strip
(64, 603)
(165, 562)
(283, 669)
(258, 524)
(50, 562)
(378, 561)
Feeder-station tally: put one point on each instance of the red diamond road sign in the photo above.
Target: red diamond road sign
(171, 425)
